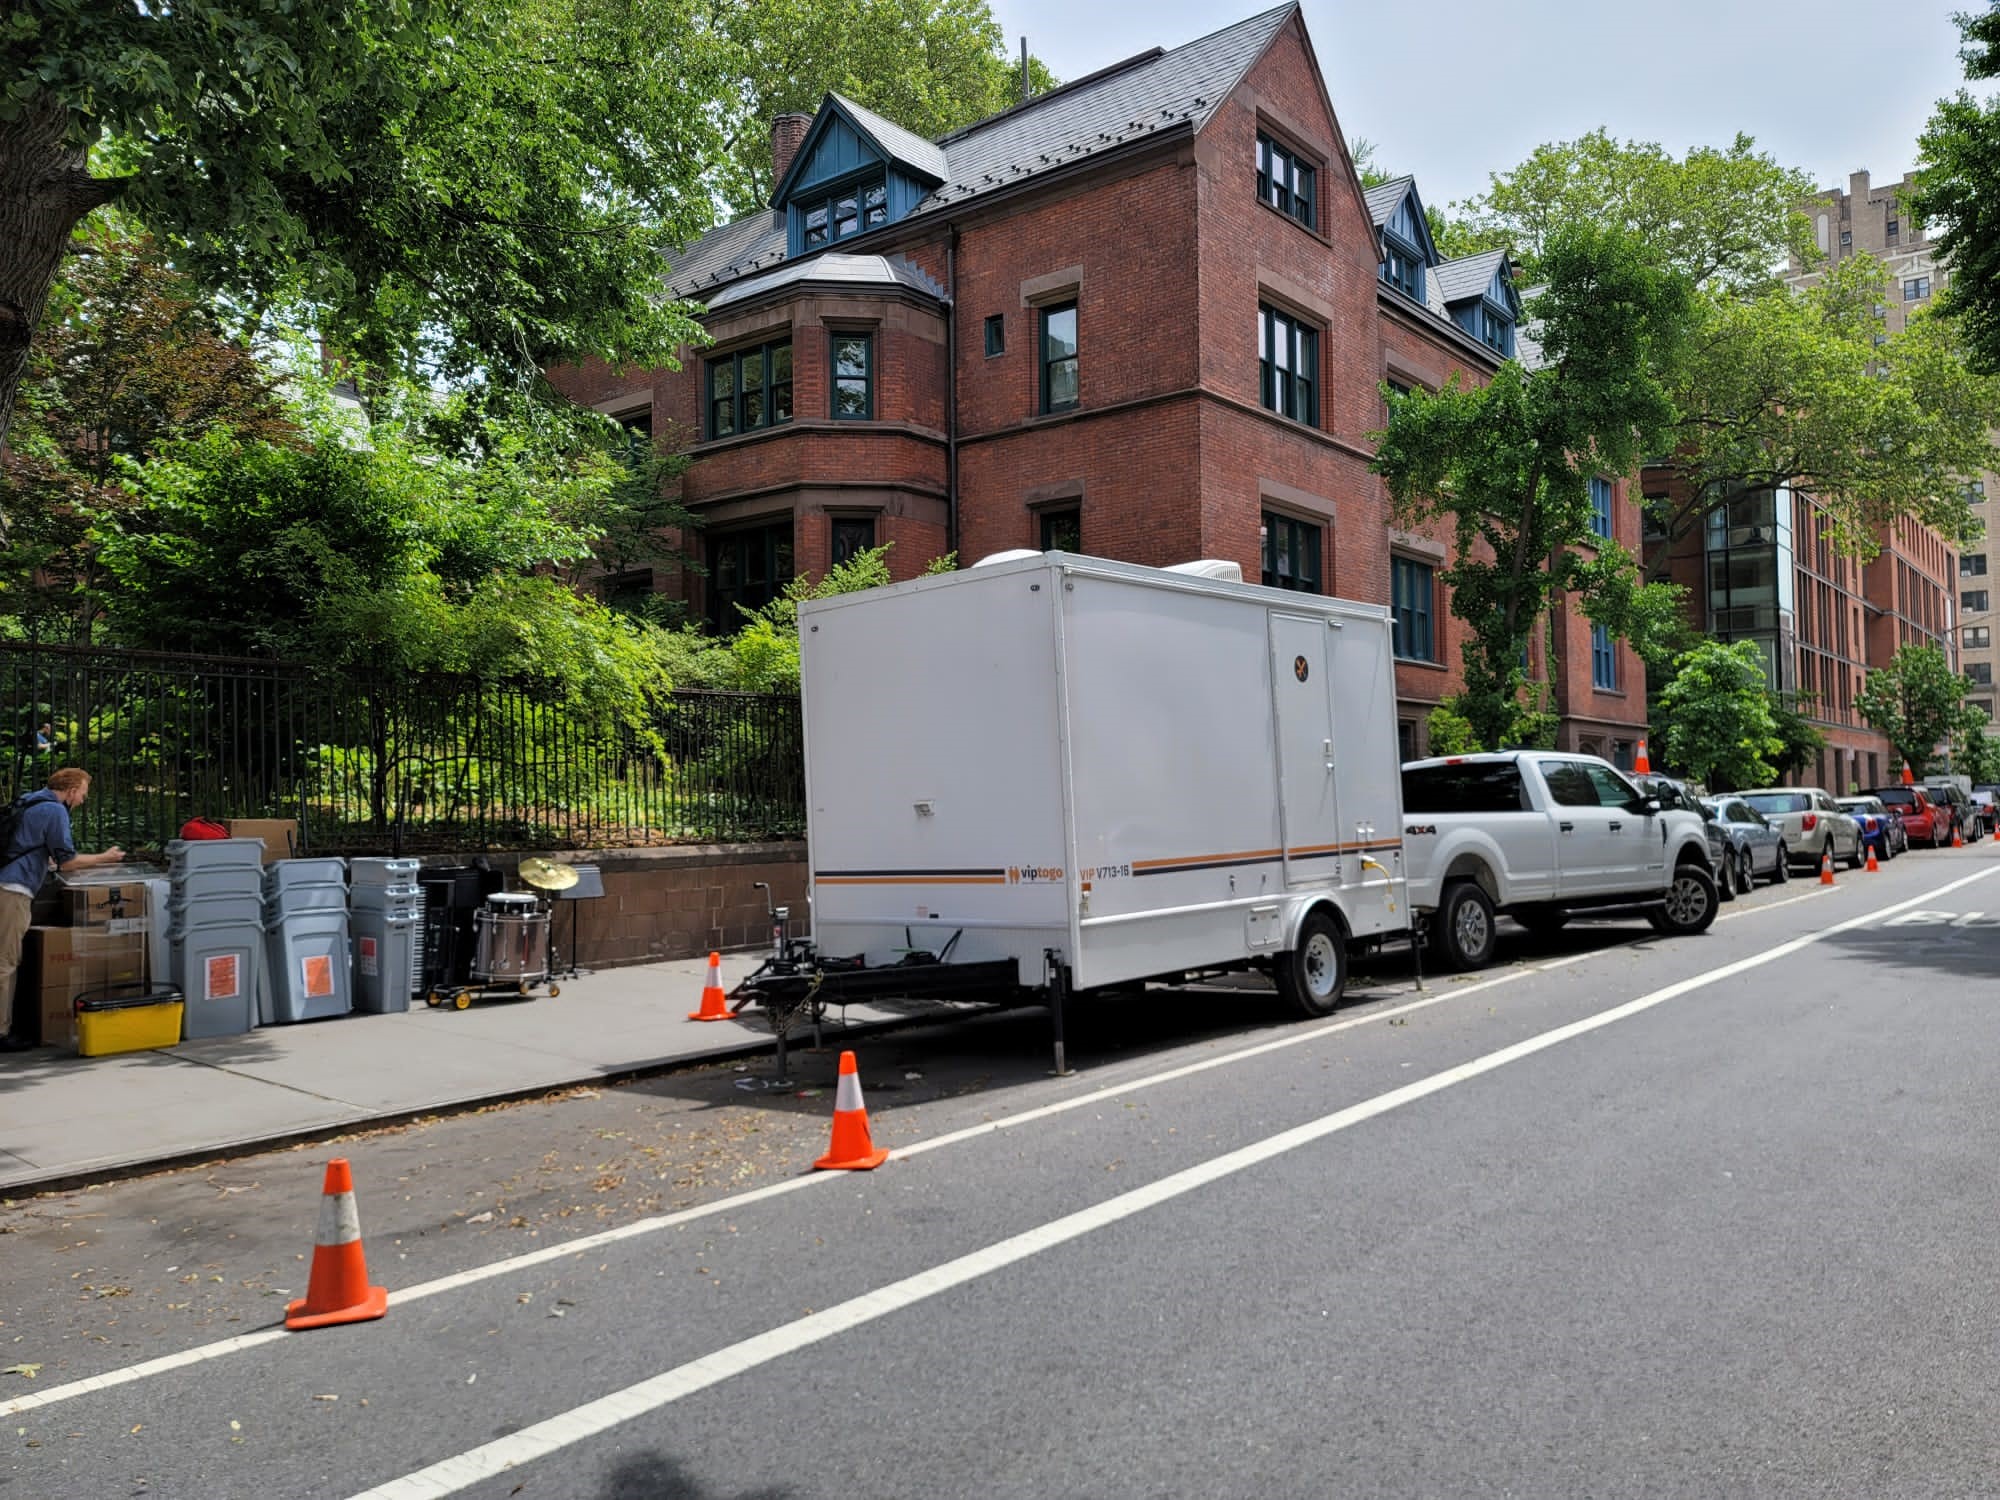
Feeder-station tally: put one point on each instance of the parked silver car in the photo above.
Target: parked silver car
(1756, 844)
(1810, 822)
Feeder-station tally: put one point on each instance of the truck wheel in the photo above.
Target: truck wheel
(1314, 974)
(1690, 904)
(1462, 930)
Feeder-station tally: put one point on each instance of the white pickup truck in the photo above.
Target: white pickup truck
(1540, 835)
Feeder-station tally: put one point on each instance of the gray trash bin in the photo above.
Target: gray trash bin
(385, 959)
(218, 968)
(310, 967)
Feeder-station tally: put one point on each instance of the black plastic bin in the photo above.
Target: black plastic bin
(452, 894)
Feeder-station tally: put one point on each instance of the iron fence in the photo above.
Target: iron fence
(402, 765)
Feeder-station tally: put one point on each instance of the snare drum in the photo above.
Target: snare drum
(513, 940)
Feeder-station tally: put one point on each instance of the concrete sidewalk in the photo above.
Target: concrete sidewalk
(63, 1116)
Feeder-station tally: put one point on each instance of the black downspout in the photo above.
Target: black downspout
(951, 392)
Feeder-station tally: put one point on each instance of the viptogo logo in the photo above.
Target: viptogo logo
(1033, 874)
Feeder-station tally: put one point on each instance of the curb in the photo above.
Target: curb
(71, 1179)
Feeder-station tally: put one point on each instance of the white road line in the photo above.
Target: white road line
(450, 1475)
(166, 1363)
(1771, 905)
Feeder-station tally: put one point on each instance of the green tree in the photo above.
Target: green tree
(1722, 217)
(128, 361)
(1717, 717)
(1958, 191)
(1451, 733)
(929, 65)
(479, 190)
(1772, 388)
(1917, 702)
(1800, 743)
(1976, 753)
(1510, 462)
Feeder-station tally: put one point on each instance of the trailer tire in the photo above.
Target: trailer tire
(1462, 934)
(1313, 975)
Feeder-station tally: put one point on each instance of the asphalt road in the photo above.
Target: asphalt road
(1629, 1216)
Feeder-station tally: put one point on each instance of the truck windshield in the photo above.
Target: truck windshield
(1470, 787)
(1776, 804)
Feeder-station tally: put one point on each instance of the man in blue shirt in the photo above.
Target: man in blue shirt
(41, 843)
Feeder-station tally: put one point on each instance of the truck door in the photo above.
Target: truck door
(1301, 694)
(1589, 835)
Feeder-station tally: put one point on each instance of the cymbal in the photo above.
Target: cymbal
(546, 874)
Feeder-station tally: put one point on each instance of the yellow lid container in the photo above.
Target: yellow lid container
(133, 1023)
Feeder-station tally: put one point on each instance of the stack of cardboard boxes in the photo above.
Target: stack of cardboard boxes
(96, 944)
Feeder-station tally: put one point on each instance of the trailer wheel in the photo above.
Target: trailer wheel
(1313, 975)
(1462, 934)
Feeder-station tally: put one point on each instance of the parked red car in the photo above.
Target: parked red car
(1923, 820)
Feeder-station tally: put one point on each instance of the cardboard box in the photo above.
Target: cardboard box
(118, 906)
(278, 834)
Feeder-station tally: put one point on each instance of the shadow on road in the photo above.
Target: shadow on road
(1900, 952)
(654, 1476)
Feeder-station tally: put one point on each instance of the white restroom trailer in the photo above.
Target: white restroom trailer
(1070, 773)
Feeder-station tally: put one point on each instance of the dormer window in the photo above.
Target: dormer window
(1403, 269)
(1492, 327)
(844, 214)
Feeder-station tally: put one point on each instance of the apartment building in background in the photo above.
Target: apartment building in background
(1877, 221)
(1147, 315)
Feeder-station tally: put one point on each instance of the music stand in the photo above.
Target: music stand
(589, 886)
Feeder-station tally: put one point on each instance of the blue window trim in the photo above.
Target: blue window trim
(826, 199)
(1600, 506)
(1603, 660)
(1402, 265)
(1414, 590)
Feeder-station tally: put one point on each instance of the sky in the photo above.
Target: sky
(1445, 91)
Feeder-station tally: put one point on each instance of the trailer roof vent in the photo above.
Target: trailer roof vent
(1210, 567)
(999, 557)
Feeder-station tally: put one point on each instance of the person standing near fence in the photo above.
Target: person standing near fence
(40, 842)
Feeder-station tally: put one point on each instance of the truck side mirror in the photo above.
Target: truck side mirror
(1646, 806)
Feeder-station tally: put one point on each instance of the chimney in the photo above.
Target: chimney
(788, 133)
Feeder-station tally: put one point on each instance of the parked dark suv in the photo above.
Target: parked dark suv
(1964, 816)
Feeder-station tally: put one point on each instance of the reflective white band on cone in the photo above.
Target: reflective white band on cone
(847, 1096)
(339, 1221)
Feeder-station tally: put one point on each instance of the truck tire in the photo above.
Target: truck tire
(1690, 904)
(1462, 930)
(1313, 976)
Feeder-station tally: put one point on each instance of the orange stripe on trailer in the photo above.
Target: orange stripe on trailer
(1207, 859)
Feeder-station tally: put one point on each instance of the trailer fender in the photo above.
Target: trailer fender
(1293, 917)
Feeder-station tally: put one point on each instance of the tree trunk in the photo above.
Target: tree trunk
(45, 189)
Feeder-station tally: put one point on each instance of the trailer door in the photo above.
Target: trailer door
(1302, 701)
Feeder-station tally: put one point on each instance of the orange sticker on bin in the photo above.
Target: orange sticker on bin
(317, 969)
(219, 981)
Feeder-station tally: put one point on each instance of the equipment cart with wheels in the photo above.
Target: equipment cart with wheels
(511, 958)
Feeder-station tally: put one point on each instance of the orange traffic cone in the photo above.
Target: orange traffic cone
(338, 1291)
(1956, 841)
(714, 1007)
(1826, 867)
(1996, 830)
(1642, 766)
(851, 1151)
(1872, 866)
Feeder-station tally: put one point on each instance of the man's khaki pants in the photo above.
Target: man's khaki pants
(15, 910)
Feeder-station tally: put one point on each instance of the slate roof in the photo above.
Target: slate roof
(1152, 93)
(902, 145)
(1385, 198)
(834, 267)
(1468, 276)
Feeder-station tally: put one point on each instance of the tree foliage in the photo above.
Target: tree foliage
(478, 190)
(128, 361)
(1510, 463)
(1724, 218)
(1719, 729)
(1957, 191)
(1918, 703)
(1800, 741)
(387, 556)
(1772, 387)
(929, 65)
